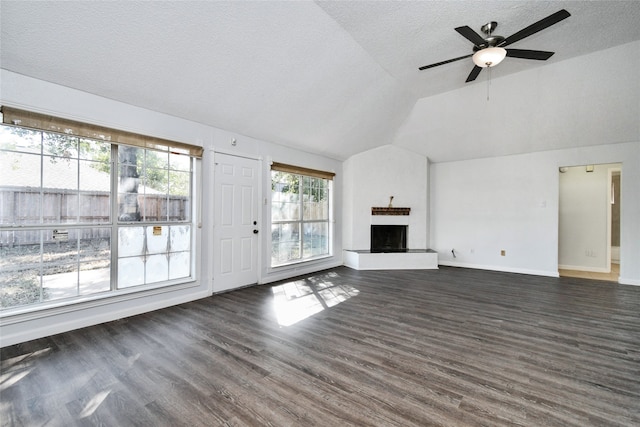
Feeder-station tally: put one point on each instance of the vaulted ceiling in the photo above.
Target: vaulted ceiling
(334, 78)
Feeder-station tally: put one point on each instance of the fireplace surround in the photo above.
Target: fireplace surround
(388, 247)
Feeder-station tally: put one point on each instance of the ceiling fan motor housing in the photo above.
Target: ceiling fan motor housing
(491, 40)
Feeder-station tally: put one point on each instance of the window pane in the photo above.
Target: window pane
(95, 191)
(60, 264)
(156, 181)
(20, 192)
(156, 159)
(315, 239)
(60, 173)
(180, 162)
(95, 245)
(94, 207)
(179, 202)
(59, 145)
(95, 260)
(285, 211)
(128, 183)
(130, 272)
(316, 203)
(19, 268)
(179, 183)
(285, 198)
(153, 207)
(19, 139)
(20, 169)
(157, 268)
(129, 207)
(95, 176)
(96, 279)
(130, 241)
(157, 239)
(179, 265)
(60, 183)
(285, 240)
(95, 150)
(180, 238)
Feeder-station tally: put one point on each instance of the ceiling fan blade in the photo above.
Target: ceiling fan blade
(540, 55)
(534, 28)
(471, 35)
(424, 67)
(473, 74)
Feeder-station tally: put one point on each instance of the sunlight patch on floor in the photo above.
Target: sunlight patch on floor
(94, 404)
(16, 368)
(297, 300)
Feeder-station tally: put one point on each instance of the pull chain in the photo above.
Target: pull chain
(489, 83)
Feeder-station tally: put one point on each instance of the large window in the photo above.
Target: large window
(82, 217)
(300, 214)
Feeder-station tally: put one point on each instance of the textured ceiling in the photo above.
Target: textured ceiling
(334, 78)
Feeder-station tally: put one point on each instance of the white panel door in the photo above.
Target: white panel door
(236, 228)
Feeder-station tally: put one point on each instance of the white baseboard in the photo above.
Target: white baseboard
(500, 268)
(625, 281)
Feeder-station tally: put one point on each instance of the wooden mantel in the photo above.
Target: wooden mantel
(390, 211)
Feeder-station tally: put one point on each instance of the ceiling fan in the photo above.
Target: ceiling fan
(490, 51)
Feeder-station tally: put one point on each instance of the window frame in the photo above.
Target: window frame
(303, 173)
(114, 294)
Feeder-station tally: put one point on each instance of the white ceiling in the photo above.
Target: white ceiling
(334, 78)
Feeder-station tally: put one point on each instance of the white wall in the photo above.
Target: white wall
(371, 178)
(480, 207)
(584, 218)
(40, 96)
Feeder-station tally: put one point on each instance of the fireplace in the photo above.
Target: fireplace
(388, 251)
(388, 238)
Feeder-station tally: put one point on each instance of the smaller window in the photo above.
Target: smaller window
(300, 216)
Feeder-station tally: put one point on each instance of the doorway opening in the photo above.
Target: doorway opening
(589, 221)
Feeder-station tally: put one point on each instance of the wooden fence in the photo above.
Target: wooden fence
(22, 206)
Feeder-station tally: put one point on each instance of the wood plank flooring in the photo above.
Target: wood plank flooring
(450, 347)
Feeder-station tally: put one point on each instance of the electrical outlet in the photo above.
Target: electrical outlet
(503, 252)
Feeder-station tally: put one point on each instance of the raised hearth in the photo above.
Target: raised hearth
(388, 245)
(409, 259)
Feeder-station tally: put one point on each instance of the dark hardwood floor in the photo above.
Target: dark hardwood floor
(446, 347)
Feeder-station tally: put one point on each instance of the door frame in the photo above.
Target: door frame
(259, 205)
(610, 173)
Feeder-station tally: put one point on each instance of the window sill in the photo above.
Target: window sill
(23, 314)
(300, 262)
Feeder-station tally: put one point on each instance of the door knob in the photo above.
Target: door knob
(255, 231)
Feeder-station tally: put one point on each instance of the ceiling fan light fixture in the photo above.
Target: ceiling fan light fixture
(489, 57)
